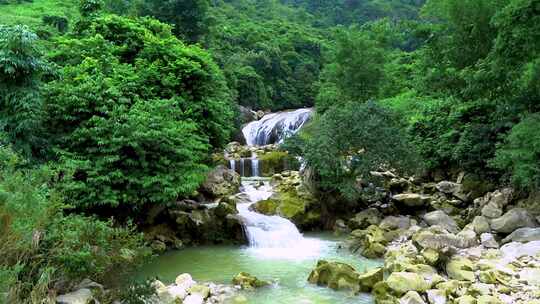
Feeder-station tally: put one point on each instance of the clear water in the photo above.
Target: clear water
(289, 269)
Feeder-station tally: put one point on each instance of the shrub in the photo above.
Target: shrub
(41, 246)
(350, 140)
(520, 153)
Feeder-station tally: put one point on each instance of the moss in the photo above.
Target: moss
(268, 207)
(276, 161)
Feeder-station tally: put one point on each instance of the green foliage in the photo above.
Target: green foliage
(350, 140)
(21, 68)
(30, 13)
(189, 17)
(89, 7)
(133, 103)
(519, 155)
(41, 246)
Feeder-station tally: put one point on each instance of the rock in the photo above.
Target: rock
(436, 296)
(531, 276)
(395, 222)
(523, 235)
(480, 225)
(336, 275)
(488, 240)
(467, 299)
(438, 239)
(487, 299)
(371, 241)
(453, 189)
(515, 250)
(370, 278)
(175, 292)
(81, 296)
(221, 182)
(431, 256)
(412, 199)
(365, 218)
(460, 268)
(494, 202)
(448, 187)
(193, 299)
(185, 281)
(247, 281)
(512, 220)
(341, 227)
(411, 297)
(203, 291)
(402, 282)
(240, 299)
(247, 115)
(442, 219)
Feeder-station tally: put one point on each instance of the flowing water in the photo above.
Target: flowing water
(274, 127)
(277, 252)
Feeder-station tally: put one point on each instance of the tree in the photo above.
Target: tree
(189, 17)
(21, 68)
(134, 126)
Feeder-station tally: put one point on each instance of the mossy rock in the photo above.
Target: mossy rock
(247, 281)
(335, 275)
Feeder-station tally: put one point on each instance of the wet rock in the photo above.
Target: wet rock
(411, 297)
(512, 220)
(203, 291)
(335, 275)
(442, 219)
(412, 199)
(247, 281)
(81, 296)
(523, 235)
(371, 277)
(221, 182)
(371, 241)
(402, 282)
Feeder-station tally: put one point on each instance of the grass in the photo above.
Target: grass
(30, 13)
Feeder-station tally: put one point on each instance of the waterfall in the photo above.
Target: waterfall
(274, 127)
(232, 164)
(265, 231)
(255, 167)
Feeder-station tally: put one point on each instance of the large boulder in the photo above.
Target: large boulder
(221, 182)
(493, 203)
(336, 275)
(442, 219)
(371, 241)
(488, 240)
(369, 278)
(403, 282)
(439, 239)
(454, 189)
(523, 235)
(512, 220)
(395, 222)
(247, 281)
(412, 199)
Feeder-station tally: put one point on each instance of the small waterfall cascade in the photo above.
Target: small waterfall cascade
(275, 127)
(263, 231)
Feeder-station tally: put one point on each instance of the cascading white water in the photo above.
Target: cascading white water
(232, 164)
(265, 231)
(274, 127)
(255, 167)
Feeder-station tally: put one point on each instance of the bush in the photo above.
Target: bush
(135, 114)
(349, 141)
(41, 246)
(520, 153)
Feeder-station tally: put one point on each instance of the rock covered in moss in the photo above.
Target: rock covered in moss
(247, 281)
(221, 182)
(369, 278)
(336, 275)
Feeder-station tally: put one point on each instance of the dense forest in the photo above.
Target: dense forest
(109, 108)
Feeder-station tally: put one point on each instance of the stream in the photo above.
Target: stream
(277, 252)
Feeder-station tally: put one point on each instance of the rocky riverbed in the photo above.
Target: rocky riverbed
(441, 244)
